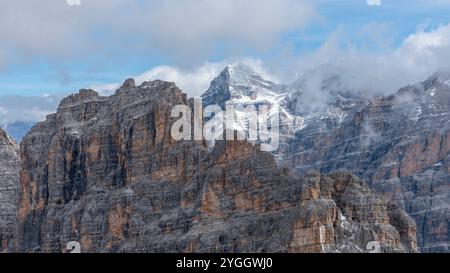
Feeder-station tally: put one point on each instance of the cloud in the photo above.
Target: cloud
(15, 108)
(193, 81)
(253, 23)
(384, 69)
(191, 28)
(188, 30)
(374, 2)
(375, 67)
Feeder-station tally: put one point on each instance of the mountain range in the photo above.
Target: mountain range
(399, 143)
(352, 169)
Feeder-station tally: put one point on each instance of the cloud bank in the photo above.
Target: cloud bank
(420, 55)
(193, 81)
(189, 30)
(383, 69)
(14, 108)
(371, 71)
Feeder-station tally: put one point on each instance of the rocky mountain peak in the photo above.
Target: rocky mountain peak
(442, 75)
(440, 80)
(238, 82)
(6, 140)
(129, 87)
(156, 84)
(432, 94)
(82, 96)
(129, 83)
(108, 175)
(243, 74)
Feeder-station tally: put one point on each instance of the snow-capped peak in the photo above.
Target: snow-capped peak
(318, 93)
(434, 87)
(240, 83)
(242, 74)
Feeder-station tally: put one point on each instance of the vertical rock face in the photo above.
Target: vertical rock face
(9, 182)
(105, 172)
(400, 144)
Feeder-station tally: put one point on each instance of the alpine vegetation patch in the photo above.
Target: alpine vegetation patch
(257, 124)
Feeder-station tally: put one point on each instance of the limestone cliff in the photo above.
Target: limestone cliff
(400, 145)
(105, 172)
(9, 183)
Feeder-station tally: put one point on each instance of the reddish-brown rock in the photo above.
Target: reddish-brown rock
(400, 145)
(105, 172)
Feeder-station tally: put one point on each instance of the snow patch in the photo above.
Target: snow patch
(345, 224)
(433, 92)
(418, 114)
(438, 164)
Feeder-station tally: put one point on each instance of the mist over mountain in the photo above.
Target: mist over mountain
(398, 143)
(19, 113)
(109, 147)
(104, 171)
(225, 127)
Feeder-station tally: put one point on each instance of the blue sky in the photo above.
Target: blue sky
(103, 42)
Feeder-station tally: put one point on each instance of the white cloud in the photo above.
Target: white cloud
(385, 71)
(188, 30)
(192, 81)
(255, 23)
(413, 60)
(427, 43)
(376, 72)
(27, 108)
(374, 2)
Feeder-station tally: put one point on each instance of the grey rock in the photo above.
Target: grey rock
(400, 145)
(104, 171)
(9, 183)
